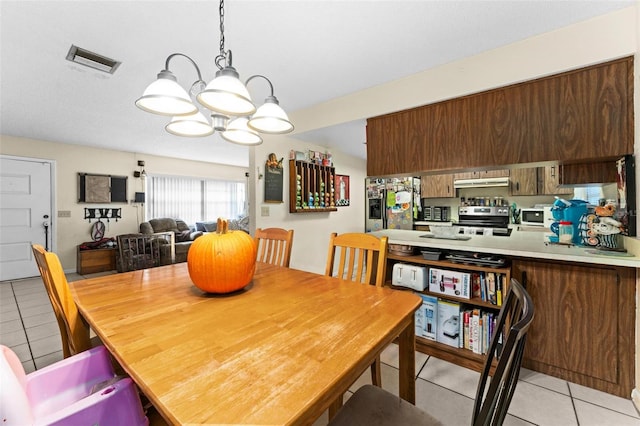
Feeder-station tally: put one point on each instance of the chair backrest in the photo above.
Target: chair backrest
(274, 245)
(362, 258)
(38, 254)
(14, 403)
(507, 347)
(77, 332)
(82, 389)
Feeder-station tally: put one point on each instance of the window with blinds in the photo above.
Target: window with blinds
(194, 199)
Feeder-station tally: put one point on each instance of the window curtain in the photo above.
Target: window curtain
(193, 199)
(224, 199)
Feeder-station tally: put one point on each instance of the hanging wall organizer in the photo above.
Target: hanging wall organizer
(102, 213)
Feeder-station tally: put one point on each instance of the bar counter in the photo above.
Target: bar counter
(528, 244)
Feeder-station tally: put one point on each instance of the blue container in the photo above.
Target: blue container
(569, 213)
(572, 214)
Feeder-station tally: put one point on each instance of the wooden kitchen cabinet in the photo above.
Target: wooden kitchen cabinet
(437, 186)
(482, 174)
(588, 173)
(576, 116)
(584, 326)
(550, 179)
(524, 181)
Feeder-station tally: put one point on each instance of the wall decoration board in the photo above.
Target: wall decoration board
(273, 173)
(95, 188)
(342, 190)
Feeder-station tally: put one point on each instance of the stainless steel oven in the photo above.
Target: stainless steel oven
(484, 220)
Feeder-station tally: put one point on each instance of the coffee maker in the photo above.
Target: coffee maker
(568, 211)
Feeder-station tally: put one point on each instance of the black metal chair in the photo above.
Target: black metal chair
(371, 405)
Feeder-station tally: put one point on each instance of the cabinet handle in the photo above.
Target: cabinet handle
(553, 171)
(517, 186)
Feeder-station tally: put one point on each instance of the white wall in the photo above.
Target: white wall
(311, 230)
(73, 159)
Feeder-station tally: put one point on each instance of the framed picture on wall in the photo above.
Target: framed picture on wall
(341, 186)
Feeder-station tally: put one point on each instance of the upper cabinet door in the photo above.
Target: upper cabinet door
(575, 116)
(551, 180)
(437, 186)
(524, 181)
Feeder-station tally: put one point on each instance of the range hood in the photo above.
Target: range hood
(481, 183)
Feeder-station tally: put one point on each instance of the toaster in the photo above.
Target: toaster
(410, 276)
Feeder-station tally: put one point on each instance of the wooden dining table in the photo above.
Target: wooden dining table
(280, 351)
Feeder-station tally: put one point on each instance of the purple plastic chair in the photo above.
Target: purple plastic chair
(79, 390)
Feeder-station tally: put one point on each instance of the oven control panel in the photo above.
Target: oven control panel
(483, 211)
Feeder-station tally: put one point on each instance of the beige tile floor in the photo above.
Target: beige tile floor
(28, 326)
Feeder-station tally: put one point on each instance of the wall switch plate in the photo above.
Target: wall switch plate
(64, 213)
(264, 211)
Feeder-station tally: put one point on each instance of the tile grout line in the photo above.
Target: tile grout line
(573, 403)
(24, 328)
(573, 398)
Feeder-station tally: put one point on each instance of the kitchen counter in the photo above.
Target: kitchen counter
(518, 244)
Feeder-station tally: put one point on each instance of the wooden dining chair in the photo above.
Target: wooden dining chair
(371, 405)
(360, 258)
(274, 245)
(38, 254)
(74, 332)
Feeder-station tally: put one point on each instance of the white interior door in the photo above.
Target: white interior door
(25, 208)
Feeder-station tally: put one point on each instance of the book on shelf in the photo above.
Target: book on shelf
(465, 328)
(476, 278)
(488, 286)
(448, 328)
(491, 287)
(474, 331)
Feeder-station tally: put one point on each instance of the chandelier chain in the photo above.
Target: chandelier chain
(221, 12)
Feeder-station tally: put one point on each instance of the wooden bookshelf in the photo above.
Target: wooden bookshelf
(459, 356)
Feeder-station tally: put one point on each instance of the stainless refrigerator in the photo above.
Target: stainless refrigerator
(391, 203)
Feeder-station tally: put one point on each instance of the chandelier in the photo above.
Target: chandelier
(232, 111)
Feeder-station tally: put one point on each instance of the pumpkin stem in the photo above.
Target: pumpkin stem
(222, 226)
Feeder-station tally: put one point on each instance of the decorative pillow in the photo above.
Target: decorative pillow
(210, 226)
(183, 236)
(241, 224)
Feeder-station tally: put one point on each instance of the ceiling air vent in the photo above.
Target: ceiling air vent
(92, 60)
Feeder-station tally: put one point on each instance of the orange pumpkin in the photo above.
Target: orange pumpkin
(223, 261)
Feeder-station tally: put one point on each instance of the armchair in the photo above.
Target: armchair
(184, 236)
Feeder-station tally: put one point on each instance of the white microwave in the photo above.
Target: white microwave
(536, 216)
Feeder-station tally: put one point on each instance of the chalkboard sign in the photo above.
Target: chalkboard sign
(273, 184)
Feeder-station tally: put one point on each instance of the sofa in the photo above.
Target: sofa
(241, 224)
(184, 237)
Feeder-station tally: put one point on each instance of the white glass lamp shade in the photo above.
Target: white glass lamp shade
(194, 125)
(166, 97)
(227, 95)
(270, 118)
(238, 132)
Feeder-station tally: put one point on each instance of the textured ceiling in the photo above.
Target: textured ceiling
(313, 51)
